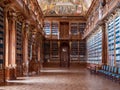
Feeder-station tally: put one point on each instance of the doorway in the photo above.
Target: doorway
(64, 60)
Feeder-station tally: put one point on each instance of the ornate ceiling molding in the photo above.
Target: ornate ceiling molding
(64, 7)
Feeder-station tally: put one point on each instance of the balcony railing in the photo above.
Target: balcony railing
(105, 10)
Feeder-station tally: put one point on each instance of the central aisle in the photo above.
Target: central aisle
(62, 79)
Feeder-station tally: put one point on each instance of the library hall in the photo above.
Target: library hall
(59, 44)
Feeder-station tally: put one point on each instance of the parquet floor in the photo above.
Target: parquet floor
(62, 79)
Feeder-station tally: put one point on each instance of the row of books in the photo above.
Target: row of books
(1, 37)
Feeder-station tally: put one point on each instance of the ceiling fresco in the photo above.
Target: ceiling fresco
(64, 7)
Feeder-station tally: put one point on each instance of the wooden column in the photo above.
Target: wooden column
(25, 49)
(6, 37)
(104, 44)
(41, 50)
(12, 46)
(38, 46)
(7, 46)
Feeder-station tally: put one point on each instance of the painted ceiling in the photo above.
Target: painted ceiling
(64, 7)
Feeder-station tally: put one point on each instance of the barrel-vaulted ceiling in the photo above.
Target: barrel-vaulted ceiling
(64, 7)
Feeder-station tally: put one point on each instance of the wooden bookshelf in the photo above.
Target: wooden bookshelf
(94, 48)
(47, 27)
(54, 50)
(1, 45)
(29, 47)
(47, 50)
(54, 28)
(113, 34)
(81, 27)
(74, 28)
(82, 50)
(117, 40)
(111, 37)
(19, 53)
(74, 50)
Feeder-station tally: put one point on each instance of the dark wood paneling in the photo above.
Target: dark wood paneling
(64, 30)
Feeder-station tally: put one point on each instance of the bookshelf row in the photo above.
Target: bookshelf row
(19, 56)
(47, 49)
(77, 28)
(51, 50)
(55, 49)
(77, 50)
(29, 47)
(94, 48)
(113, 34)
(1, 44)
(53, 28)
(1, 38)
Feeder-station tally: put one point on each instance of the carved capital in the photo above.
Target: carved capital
(12, 15)
(6, 2)
(26, 29)
(117, 11)
(20, 17)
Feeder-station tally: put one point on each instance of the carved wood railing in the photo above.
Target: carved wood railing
(106, 10)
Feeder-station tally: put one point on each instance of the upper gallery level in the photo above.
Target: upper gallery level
(27, 11)
(62, 19)
(98, 13)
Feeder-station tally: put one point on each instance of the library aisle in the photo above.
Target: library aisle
(62, 79)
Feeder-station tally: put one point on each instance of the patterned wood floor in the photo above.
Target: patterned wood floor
(62, 79)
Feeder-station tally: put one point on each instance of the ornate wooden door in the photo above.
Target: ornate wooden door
(64, 30)
(64, 62)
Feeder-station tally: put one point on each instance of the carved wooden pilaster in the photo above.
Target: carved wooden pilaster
(6, 36)
(25, 48)
(12, 45)
(104, 44)
(12, 41)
